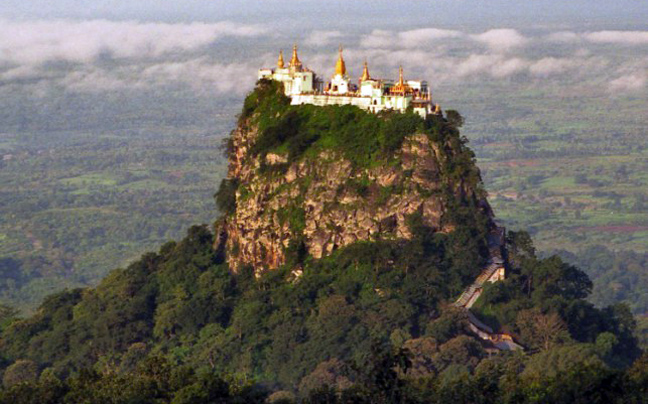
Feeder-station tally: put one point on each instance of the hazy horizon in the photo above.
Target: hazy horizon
(87, 86)
(439, 11)
(212, 49)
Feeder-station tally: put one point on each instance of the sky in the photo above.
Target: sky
(213, 48)
(437, 10)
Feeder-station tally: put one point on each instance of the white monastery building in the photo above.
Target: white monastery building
(304, 87)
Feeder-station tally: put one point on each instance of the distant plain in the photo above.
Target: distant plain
(107, 154)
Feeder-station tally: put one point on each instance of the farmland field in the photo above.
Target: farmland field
(93, 177)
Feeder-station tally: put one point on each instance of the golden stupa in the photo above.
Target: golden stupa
(280, 62)
(340, 66)
(294, 61)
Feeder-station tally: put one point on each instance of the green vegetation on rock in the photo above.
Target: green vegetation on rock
(371, 322)
(182, 305)
(363, 138)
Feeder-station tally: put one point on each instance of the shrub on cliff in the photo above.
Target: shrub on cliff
(363, 137)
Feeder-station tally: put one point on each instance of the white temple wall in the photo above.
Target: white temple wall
(323, 99)
(373, 96)
(339, 84)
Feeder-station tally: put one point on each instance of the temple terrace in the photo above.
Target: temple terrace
(303, 86)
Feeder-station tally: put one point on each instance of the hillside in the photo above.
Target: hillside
(320, 178)
(345, 239)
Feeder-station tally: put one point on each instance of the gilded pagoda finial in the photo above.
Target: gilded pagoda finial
(340, 66)
(400, 87)
(294, 61)
(365, 72)
(280, 62)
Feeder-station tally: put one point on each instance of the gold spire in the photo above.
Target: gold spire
(294, 62)
(365, 73)
(400, 87)
(340, 67)
(280, 62)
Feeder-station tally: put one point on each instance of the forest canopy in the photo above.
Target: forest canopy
(373, 322)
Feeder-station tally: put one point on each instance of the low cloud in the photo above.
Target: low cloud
(449, 56)
(493, 65)
(379, 39)
(20, 73)
(501, 39)
(201, 75)
(550, 66)
(618, 37)
(444, 66)
(630, 77)
(602, 37)
(72, 55)
(439, 66)
(425, 36)
(407, 39)
(323, 38)
(496, 39)
(37, 42)
(112, 56)
(628, 83)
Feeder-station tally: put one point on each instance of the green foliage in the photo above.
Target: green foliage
(154, 381)
(568, 375)
(294, 216)
(450, 324)
(454, 118)
(467, 242)
(378, 375)
(226, 196)
(7, 316)
(618, 276)
(74, 329)
(21, 371)
(100, 198)
(160, 327)
(267, 96)
(362, 137)
(542, 301)
(183, 302)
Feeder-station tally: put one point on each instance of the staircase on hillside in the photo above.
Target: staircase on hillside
(493, 271)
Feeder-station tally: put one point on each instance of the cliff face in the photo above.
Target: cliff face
(322, 200)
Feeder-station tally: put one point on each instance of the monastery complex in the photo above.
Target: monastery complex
(303, 86)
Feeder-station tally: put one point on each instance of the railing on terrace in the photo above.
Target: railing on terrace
(415, 96)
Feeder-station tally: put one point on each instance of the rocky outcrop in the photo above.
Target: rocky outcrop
(321, 202)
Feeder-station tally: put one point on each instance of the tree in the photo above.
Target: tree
(541, 331)
(462, 350)
(455, 385)
(7, 316)
(322, 395)
(454, 118)
(553, 277)
(208, 389)
(378, 375)
(21, 371)
(225, 197)
(423, 351)
(486, 379)
(637, 380)
(451, 323)
(328, 373)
